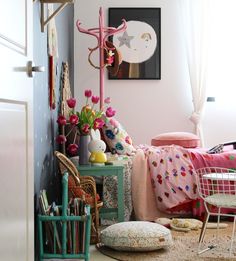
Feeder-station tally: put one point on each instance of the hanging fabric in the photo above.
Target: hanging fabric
(65, 91)
(52, 54)
(195, 21)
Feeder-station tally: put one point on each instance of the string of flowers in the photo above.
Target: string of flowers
(81, 122)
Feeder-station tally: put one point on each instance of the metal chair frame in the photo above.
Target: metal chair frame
(217, 187)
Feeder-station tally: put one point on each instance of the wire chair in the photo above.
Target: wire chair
(217, 188)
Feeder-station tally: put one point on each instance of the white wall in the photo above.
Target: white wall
(145, 107)
(150, 107)
(219, 122)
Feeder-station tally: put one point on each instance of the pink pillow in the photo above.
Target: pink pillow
(184, 139)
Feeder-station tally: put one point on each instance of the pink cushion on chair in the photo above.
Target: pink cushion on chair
(184, 139)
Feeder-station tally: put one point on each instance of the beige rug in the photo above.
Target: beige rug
(184, 248)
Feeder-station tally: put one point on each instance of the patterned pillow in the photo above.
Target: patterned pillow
(136, 236)
(116, 137)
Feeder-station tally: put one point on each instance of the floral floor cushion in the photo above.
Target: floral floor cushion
(136, 236)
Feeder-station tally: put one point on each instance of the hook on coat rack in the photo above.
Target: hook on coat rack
(101, 33)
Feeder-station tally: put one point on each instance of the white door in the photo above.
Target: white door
(16, 132)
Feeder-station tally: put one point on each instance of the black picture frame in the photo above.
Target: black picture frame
(150, 68)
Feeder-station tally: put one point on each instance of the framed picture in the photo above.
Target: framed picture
(140, 44)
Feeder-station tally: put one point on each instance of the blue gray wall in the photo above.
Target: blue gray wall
(45, 132)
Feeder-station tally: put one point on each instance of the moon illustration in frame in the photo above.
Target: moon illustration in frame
(138, 43)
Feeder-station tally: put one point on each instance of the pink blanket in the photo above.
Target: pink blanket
(163, 179)
(201, 159)
(143, 196)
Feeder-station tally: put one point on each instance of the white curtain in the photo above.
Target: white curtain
(195, 17)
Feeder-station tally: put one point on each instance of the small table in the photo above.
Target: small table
(108, 170)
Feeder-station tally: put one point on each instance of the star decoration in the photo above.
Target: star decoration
(125, 39)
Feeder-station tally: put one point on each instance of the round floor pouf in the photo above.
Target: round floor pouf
(136, 236)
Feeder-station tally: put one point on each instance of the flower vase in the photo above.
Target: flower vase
(83, 150)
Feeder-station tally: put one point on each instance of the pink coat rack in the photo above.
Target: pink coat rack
(101, 33)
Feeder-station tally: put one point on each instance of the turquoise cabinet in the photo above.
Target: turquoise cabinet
(108, 170)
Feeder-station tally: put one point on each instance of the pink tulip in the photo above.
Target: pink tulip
(61, 139)
(114, 123)
(98, 123)
(95, 99)
(73, 149)
(107, 100)
(71, 103)
(85, 128)
(110, 112)
(88, 93)
(74, 119)
(61, 120)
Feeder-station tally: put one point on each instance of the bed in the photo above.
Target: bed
(164, 181)
(160, 181)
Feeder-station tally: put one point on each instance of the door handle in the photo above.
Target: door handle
(31, 69)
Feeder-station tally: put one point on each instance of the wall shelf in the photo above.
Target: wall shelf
(63, 4)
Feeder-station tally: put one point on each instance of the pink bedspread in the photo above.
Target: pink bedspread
(163, 179)
(201, 159)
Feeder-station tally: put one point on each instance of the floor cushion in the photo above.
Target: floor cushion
(184, 139)
(136, 236)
